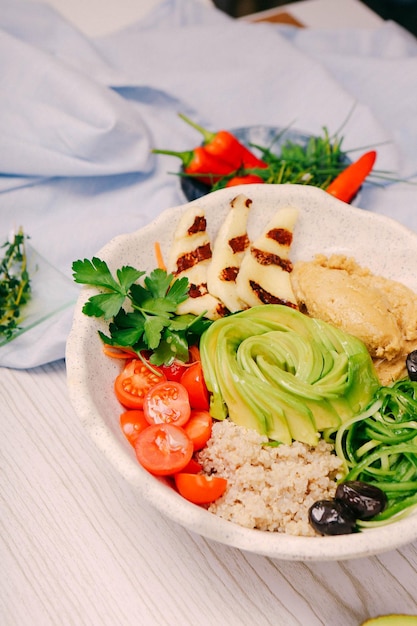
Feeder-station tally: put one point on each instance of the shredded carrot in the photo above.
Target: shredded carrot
(194, 353)
(119, 353)
(159, 258)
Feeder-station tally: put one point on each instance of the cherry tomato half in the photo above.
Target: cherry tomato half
(198, 428)
(199, 488)
(167, 403)
(163, 449)
(135, 380)
(132, 423)
(174, 371)
(193, 467)
(193, 381)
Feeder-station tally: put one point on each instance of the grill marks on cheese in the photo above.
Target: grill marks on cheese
(236, 274)
(190, 256)
(229, 249)
(264, 276)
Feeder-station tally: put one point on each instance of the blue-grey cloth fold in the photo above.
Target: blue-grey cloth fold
(58, 121)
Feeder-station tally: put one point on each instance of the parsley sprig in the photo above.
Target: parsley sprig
(15, 288)
(151, 323)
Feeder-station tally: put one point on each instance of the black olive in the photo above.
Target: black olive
(331, 517)
(411, 363)
(364, 500)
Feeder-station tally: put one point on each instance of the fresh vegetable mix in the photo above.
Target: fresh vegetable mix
(165, 424)
(274, 356)
(223, 161)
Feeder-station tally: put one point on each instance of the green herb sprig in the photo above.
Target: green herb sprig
(315, 163)
(151, 323)
(15, 287)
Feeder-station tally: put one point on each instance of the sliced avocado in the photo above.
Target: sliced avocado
(284, 374)
(324, 414)
(392, 620)
(269, 413)
(363, 382)
(300, 421)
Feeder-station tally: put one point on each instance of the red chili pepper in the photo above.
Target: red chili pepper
(346, 185)
(201, 165)
(244, 180)
(227, 147)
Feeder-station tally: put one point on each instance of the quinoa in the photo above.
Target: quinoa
(270, 488)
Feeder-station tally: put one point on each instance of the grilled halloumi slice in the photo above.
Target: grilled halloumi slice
(190, 256)
(264, 276)
(228, 251)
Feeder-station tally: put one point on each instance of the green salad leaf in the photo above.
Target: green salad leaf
(151, 323)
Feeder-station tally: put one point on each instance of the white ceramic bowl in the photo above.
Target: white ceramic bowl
(325, 225)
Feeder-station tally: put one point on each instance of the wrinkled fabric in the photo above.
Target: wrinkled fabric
(80, 117)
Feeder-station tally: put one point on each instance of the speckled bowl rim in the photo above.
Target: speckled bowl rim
(325, 225)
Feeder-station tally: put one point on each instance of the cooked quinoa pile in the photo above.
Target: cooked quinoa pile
(269, 487)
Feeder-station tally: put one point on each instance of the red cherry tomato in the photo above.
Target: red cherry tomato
(168, 403)
(193, 381)
(174, 371)
(193, 467)
(198, 428)
(199, 488)
(132, 423)
(163, 449)
(132, 384)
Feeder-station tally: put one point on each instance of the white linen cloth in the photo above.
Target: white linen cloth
(79, 118)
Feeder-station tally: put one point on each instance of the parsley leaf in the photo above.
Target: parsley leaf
(106, 305)
(97, 273)
(173, 345)
(151, 323)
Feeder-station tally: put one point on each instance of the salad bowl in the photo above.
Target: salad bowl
(325, 225)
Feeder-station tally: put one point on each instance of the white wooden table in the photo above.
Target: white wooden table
(78, 547)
